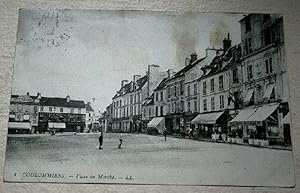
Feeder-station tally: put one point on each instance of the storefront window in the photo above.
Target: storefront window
(273, 131)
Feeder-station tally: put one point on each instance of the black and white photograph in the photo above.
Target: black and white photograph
(144, 97)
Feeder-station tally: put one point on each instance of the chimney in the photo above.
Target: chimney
(193, 57)
(68, 98)
(170, 72)
(123, 82)
(187, 61)
(38, 95)
(226, 43)
(136, 77)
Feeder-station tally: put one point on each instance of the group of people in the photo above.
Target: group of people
(101, 140)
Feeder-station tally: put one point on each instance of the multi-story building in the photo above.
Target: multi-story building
(215, 97)
(264, 84)
(61, 114)
(127, 105)
(23, 115)
(89, 117)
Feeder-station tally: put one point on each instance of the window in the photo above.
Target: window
(117, 103)
(42, 109)
(131, 110)
(120, 103)
(195, 89)
(161, 110)
(79, 110)
(188, 106)
(195, 106)
(149, 112)
(50, 109)
(248, 45)
(161, 95)
(72, 110)
(169, 93)
(249, 72)
(35, 108)
(135, 98)
(204, 88)
(204, 105)
(268, 65)
(221, 82)
(247, 24)
(61, 110)
(188, 90)
(212, 85)
(181, 106)
(134, 110)
(156, 94)
(131, 99)
(175, 91)
(139, 98)
(221, 102)
(181, 89)
(127, 111)
(212, 101)
(156, 111)
(235, 77)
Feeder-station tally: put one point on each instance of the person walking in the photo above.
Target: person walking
(121, 141)
(101, 140)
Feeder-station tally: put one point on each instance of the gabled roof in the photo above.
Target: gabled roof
(61, 102)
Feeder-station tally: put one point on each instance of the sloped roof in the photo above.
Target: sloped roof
(127, 87)
(186, 68)
(88, 107)
(162, 84)
(61, 102)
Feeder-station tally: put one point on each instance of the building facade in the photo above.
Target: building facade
(23, 115)
(61, 114)
(264, 84)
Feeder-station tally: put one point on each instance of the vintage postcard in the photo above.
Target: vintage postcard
(136, 97)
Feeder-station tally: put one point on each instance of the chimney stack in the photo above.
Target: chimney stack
(187, 61)
(226, 43)
(68, 98)
(136, 77)
(38, 95)
(123, 82)
(193, 57)
(170, 72)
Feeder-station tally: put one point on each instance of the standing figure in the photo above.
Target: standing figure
(165, 134)
(101, 140)
(121, 141)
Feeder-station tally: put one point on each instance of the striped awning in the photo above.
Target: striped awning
(56, 125)
(19, 125)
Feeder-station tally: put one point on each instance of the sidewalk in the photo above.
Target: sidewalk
(279, 147)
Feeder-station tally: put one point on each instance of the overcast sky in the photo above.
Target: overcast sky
(86, 54)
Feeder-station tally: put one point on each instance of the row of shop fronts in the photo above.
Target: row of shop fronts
(268, 122)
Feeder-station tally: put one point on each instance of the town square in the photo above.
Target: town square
(170, 99)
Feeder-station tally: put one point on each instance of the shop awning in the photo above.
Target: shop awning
(249, 95)
(243, 116)
(262, 113)
(56, 125)
(286, 119)
(268, 91)
(254, 115)
(19, 125)
(155, 121)
(207, 118)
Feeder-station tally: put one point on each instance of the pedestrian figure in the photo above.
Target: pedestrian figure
(121, 141)
(101, 140)
(165, 134)
(191, 133)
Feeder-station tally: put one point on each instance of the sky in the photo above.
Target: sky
(86, 54)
